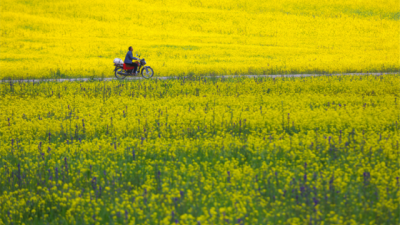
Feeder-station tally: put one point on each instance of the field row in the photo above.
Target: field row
(202, 150)
(59, 39)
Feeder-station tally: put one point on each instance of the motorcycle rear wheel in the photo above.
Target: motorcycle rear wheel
(147, 72)
(119, 76)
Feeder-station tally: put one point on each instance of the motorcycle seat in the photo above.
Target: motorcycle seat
(126, 67)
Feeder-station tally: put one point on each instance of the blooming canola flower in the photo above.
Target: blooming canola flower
(201, 150)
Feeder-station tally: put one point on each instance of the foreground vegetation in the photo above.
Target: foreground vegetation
(58, 39)
(316, 150)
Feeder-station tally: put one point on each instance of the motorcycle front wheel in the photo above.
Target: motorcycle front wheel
(118, 75)
(147, 72)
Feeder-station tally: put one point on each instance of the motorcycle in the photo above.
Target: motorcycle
(122, 70)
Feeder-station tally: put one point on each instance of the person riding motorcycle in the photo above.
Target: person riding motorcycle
(128, 60)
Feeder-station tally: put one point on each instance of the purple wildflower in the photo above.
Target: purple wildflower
(66, 164)
(315, 201)
(56, 173)
(19, 174)
(94, 181)
(366, 178)
(142, 139)
(50, 175)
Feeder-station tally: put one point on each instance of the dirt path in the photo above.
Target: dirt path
(171, 77)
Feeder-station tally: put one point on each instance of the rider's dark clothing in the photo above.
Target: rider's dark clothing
(129, 57)
(135, 65)
(128, 61)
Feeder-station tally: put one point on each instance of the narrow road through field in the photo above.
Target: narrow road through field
(175, 77)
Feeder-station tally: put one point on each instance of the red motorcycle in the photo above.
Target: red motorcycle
(121, 69)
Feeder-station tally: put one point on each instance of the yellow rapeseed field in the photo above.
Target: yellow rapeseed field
(316, 150)
(41, 38)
